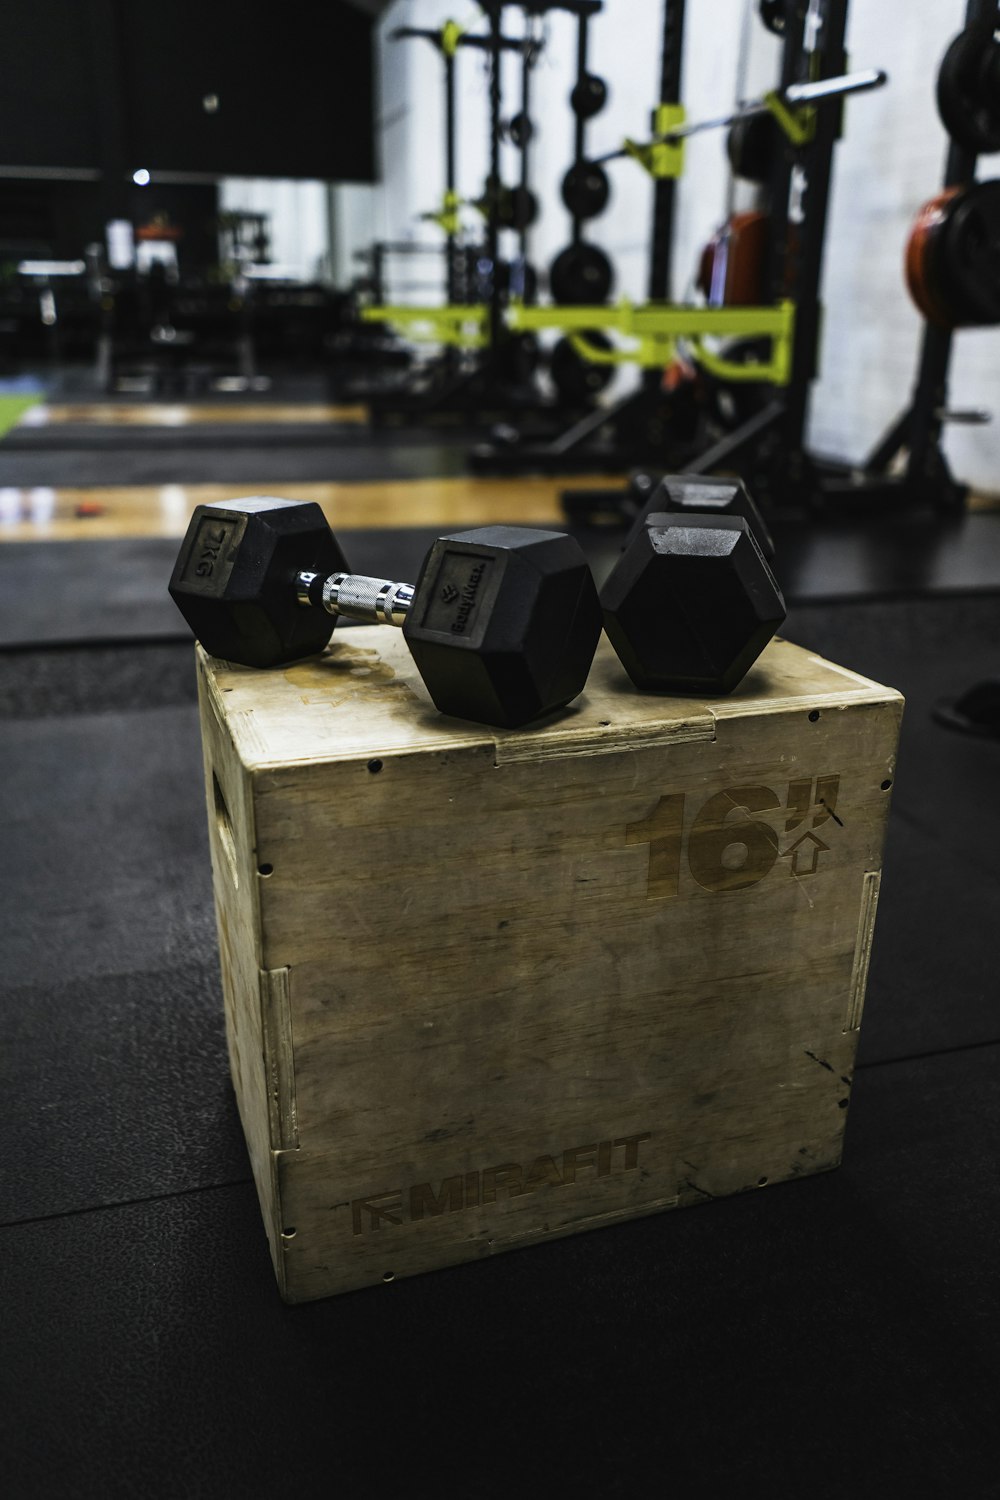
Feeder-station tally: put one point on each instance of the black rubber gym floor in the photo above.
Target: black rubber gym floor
(834, 1337)
(181, 458)
(114, 590)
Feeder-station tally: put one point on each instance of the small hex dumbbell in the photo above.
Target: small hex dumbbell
(502, 623)
(692, 602)
(697, 494)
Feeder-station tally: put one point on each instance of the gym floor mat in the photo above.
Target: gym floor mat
(832, 1338)
(105, 845)
(841, 1328)
(132, 1097)
(190, 457)
(68, 591)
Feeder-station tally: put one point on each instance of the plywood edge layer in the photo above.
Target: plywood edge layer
(863, 949)
(616, 738)
(279, 1056)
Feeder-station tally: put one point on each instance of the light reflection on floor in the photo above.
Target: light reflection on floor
(185, 414)
(44, 513)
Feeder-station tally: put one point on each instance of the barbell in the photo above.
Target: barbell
(797, 96)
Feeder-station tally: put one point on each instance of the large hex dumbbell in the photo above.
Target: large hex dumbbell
(502, 623)
(692, 602)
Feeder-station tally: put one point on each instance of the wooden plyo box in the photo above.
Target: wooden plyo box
(484, 988)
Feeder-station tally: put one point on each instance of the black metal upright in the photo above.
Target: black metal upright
(494, 9)
(778, 271)
(826, 58)
(665, 188)
(528, 59)
(580, 130)
(661, 237)
(450, 173)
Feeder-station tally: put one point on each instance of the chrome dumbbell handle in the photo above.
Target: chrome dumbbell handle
(352, 596)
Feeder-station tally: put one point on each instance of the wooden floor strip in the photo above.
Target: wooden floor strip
(186, 414)
(41, 513)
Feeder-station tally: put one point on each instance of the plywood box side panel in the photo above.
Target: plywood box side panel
(554, 875)
(364, 1214)
(229, 804)
(566, 953)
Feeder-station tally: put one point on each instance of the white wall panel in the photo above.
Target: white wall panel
(298, 218)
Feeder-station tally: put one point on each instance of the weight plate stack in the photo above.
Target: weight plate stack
(953, 257)
(523, 209)
(968, 89)
(923, 277)
(752, 145)
(972, 254)
(517, 207)
(586, 190)
(589, 96)
(580, 275)
(772, 13)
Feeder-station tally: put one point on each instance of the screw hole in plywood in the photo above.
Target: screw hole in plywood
(265, 870)
(761, 1181)
(887, 783)
(814, 716)
(288, 1234)
(388, 1275)
(374, 766)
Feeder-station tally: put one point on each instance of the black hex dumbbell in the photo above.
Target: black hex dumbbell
(502, 623)
(692, 602)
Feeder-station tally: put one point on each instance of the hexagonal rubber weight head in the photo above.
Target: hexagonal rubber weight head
(691, 604)
(504, 624)
(234, 579)
(700, 494)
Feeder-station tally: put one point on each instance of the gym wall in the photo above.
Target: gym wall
(888, 163)
(298, 213)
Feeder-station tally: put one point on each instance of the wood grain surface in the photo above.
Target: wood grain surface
(486, 987)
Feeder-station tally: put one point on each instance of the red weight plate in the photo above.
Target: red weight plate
(922, 262)
(731, 270)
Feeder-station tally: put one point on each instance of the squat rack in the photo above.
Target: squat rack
(771, 443)
(926, 477)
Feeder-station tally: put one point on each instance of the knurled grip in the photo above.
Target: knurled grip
(376, 601)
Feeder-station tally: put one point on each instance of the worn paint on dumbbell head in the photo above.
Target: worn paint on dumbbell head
(454, 600)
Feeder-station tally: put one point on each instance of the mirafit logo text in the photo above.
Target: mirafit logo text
(509, 1180)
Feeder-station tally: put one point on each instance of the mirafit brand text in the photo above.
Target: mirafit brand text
(509, 1180)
